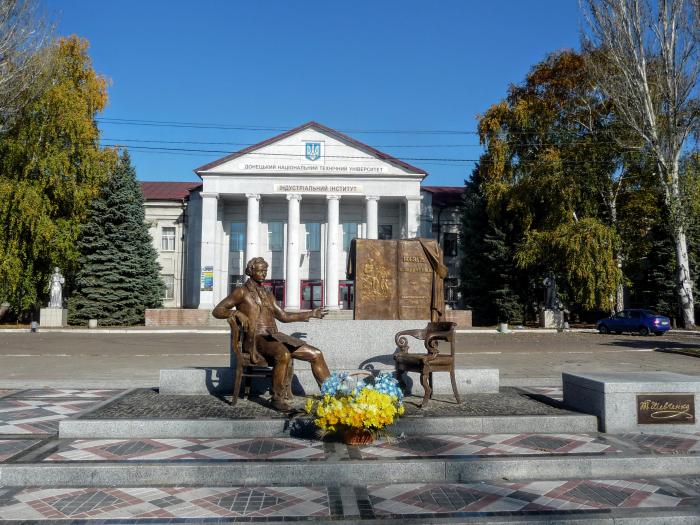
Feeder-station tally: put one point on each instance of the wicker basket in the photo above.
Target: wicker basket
(357, 436)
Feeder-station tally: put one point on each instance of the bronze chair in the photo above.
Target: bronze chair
(427, 364)
(246, 369)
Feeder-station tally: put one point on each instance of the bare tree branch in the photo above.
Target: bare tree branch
(23, 34)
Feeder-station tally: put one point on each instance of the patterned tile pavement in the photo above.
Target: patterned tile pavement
(535, 496)
(671, 443)
(65, 393)
(170, 502)
(37, 416)
(381, 501)
(488, 445)
(188, 449)
(12, 447)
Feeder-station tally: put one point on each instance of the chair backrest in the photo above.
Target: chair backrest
(440, 331)
(236, 339)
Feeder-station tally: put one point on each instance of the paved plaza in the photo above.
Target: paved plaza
(131, 464)
(30, 447)
(120, 360)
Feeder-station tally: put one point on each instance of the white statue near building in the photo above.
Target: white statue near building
(56, 289)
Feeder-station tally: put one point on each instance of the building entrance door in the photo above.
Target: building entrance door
(311, 294)
(276, 286)
(346, 293)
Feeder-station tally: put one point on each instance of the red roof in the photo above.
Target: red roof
(321, 127)
(445, 196)
(168, 191)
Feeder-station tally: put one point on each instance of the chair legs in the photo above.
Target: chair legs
(426, 381)
(237, 385)
(454, 385)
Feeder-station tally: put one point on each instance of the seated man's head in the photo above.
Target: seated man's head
(256, 269)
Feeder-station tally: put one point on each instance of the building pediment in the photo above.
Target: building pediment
(314, 150)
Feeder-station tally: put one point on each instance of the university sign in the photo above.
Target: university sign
(331, 189)
(273, 167)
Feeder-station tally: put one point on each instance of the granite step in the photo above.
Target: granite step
(430, 459)
(146, 413)
(666, 500)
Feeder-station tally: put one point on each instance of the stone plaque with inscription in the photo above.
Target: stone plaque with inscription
(395, 279)
(415, 281)
(665, 409)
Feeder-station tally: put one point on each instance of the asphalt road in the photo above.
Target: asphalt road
(133, 359)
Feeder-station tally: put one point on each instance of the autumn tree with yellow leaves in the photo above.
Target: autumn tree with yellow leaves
(51, 167)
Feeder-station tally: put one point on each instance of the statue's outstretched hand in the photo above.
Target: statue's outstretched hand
(319, 313)
(243, 320)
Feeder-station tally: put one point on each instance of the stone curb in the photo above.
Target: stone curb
(336, 473)
(77, 428)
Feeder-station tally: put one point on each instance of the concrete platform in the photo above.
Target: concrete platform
(614, 398)
(442, 476)
(145, 413)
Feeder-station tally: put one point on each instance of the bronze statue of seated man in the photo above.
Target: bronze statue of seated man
(255, 308)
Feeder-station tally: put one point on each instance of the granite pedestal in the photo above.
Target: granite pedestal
(552, 319)
(219, 381)
(613, 397)
(53, 317)
(348, 346)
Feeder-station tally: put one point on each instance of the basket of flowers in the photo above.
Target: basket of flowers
(356, 406)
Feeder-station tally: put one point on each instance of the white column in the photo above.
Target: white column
(292, 281)
(210, 206)
(252, 226)
(221, 277)
(412, 216)
(372, 216)
(332, 251)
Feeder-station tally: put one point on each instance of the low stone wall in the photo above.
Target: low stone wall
(219, 381)
(463, 318)
(195, 317)
(182, 317)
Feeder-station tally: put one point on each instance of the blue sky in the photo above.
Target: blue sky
(354, 66)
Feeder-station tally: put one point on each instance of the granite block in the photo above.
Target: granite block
(196, 381)
(612, 397)
(219, 381)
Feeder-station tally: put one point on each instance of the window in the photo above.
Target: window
(313, 237)
(169, 281)
(167, 239)
(275, 236)
(385, 232)
(449, 244)
(234, 281)
(349, 233)
(238, 236)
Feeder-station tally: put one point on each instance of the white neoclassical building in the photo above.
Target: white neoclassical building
(297, 199)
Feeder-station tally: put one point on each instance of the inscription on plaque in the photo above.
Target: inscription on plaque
(665, 409)
(415, 281)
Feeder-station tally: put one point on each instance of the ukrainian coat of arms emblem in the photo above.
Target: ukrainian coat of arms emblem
(313, 150)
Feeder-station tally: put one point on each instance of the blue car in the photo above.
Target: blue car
(642, 322)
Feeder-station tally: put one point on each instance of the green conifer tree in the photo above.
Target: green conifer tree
(489, 277)
(119, 277)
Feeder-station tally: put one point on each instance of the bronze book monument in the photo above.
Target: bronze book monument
(397, 279)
